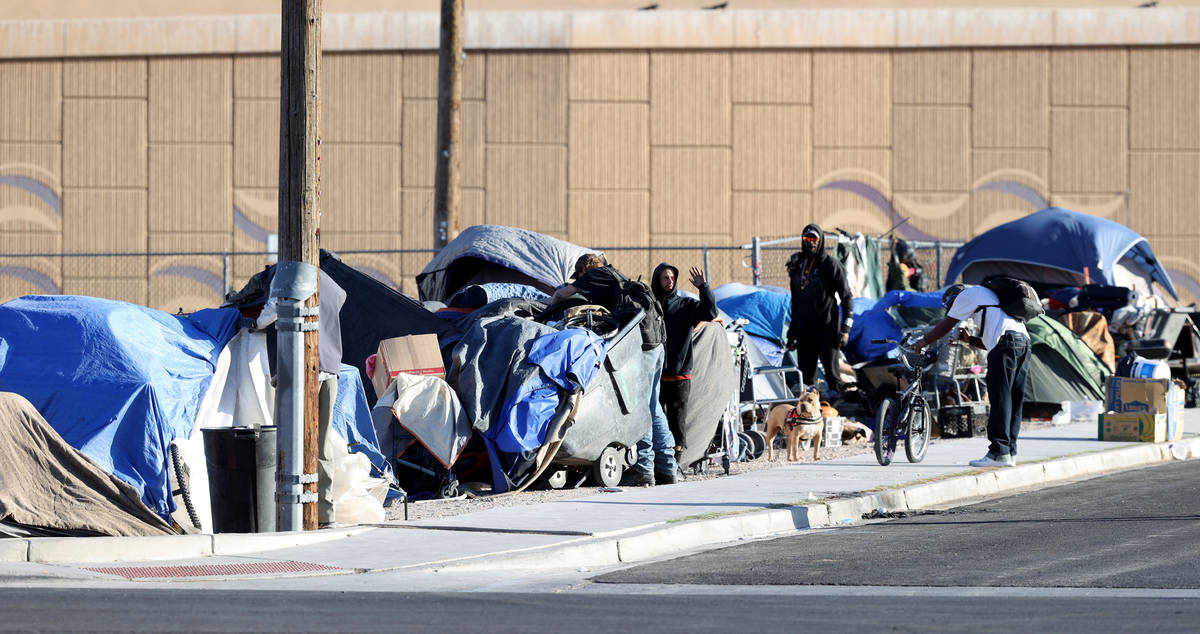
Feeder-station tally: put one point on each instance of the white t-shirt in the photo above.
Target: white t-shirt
(997, 323)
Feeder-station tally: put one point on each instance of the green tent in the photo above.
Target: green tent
(1061, 366)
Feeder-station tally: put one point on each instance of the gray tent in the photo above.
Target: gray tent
(490, 253)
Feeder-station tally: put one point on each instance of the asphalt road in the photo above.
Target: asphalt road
(1111, 554)
(1136, 529)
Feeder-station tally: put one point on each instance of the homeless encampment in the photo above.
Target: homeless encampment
(117, 381)
(1061, 367)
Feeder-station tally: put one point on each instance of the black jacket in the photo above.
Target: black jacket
(817, 285)
(681, 315)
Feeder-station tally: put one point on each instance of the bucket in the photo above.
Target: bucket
(241, 478)
(1148, 369)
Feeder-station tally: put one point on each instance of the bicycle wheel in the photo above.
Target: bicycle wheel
(885, 430)
(917, 426)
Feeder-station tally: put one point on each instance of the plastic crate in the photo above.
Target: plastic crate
(963, 421)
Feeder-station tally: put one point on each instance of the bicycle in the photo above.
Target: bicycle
(907, 416)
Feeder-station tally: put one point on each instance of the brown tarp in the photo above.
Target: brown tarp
(1092, 328)
(46, 483)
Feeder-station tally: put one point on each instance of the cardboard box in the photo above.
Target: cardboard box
(1133, 427)
(1127, 395)
(414, 354)
(1147, 396)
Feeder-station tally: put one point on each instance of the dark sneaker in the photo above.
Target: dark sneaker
(664, 477)
(637, 478)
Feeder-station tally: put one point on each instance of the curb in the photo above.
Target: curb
(63, 550)
(647, 544)
(644, 543)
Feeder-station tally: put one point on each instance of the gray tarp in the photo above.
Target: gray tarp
(47, 484)
(536, 259)
(714, 387)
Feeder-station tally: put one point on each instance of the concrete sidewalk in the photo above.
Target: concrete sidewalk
(619, 527)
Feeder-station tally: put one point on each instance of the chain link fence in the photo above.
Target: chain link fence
(186, 281)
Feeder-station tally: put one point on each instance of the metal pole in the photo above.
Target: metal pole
(295, 286)
(937, 250)
(756, 261)
(706, 275)
(225, 274)
(446, 195)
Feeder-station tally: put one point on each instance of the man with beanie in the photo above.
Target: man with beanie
(681, 315)
(819, 286)
(904, 272)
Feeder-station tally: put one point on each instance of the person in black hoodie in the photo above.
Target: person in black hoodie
(817, 331)
(681, 315)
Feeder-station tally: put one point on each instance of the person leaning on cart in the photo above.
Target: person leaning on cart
(1007, 344)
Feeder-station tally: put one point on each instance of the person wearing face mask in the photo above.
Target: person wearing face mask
(819, 287)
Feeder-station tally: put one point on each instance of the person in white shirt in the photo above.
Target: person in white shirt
(1007, 344)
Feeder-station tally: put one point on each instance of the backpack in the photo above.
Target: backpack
(1017, 298)
(637, 294)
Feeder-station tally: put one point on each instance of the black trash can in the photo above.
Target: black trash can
(241, 478)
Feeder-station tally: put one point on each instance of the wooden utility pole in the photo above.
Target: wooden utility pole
(299, 200)
(449, 125)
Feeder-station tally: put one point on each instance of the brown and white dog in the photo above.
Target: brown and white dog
(798, 422)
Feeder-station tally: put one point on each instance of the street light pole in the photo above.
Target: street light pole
(295, 285)
(446, 194)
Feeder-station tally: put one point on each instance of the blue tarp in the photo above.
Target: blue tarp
(117, 381)
(769, 310)
(877, 323)
(352, 420)
(567, 360)
(1062, 239)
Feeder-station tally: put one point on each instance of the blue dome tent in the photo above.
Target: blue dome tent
(1055, 246)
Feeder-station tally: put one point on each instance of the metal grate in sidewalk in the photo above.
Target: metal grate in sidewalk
(212, 570)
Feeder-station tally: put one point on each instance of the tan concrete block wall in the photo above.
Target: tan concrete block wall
(1168, 187)
(612, 219)
(256, 77)
(1088, 150)
(609, 146)
(690, 191)
(527, 187)
(24, 209)
(105, 78)
(609, 76)
(191, 188)
(852, 99)
(361, 98)
(255, 143)
(691, 144)
(527, 97)
(421, 72)
(420, 143)
(689, 98)
(134, 291)
(1089, 77)
(104, 143)
(933, 148)
(30, 275)
(360, 188)
(769, 214)
(1002, 181)
(1010, 98)
(772, 147)
(771, 77)
(931, 77)
(722, 264)
(31, 106)
(191, 99)
(104, 221)
(187, 282)
(1163, 89)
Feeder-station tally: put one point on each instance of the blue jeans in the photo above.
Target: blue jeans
(656, 451)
